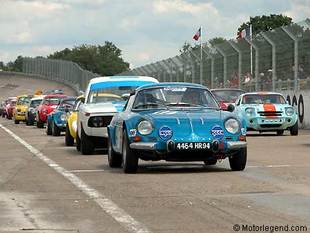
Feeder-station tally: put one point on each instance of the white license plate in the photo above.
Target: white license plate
(192, 146)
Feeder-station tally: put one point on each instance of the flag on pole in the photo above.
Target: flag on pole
(197, 35)
(245, 33)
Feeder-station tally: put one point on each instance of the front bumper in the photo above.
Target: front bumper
(267, 124)
(151, 146)
(20, 116)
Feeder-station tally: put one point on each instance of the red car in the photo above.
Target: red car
(11, 103)
(49, 103)
(226, 96)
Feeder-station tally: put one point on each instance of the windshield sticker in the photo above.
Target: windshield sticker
(132, 132)
(217, 132)
(165, 133)
(176, 89)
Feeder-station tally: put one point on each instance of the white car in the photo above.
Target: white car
(104, 97)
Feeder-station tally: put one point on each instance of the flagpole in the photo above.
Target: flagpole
(201, 62)
(251, 50)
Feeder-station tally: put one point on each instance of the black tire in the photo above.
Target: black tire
(78, 142)
(114, 159)
(69, 140)
(87, 146)
(55, 130)
(211, 161)
(16, 121)
(280, 132)
(40, 124)
(238, 161)
(48, 129)
(129, 159)
(294, 129)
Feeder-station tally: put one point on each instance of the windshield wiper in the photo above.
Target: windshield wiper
(182, 104)
(145, 106)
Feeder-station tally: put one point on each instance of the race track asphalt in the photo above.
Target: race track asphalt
(48, 187)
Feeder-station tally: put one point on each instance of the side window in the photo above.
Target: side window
(238, 101)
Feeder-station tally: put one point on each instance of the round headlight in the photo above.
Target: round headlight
(232, 126)
(250, 111)
(145, 127)
(63, 117)
(289, 111)
(97, 121)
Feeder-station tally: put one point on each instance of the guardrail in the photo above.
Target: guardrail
(66, 72)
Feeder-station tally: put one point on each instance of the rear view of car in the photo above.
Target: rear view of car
(267, 112)
(226, 96)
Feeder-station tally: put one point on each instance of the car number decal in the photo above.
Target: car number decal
(165, 133)
(217, 132)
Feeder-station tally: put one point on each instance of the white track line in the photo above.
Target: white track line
(106, 204)
(271, 166)
(80, 171)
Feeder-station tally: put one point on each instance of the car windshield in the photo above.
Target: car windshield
(23, 101)
(174, 96)
(35, 103)
(110, 94)
(227, 96)
(67, 104)
(51, 101)
(263, 99)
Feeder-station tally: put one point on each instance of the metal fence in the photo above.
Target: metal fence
(66, 72)
(280, 61)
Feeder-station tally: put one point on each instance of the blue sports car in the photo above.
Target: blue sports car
(175, 122)
(57, 120)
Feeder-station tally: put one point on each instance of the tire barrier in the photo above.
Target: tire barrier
(299, 104)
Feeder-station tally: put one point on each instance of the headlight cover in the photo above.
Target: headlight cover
(232, 126)
(145, 127)
(289, 111)
(63, 117)
(250, 111)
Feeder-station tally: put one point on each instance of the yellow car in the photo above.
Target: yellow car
(71, 123)
(19, 112)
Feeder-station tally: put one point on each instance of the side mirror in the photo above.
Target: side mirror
(82, 100)
(230, 108)
(125, 96)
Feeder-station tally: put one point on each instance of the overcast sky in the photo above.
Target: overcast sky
(145, 30)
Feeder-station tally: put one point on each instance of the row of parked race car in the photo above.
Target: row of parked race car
(136, 117)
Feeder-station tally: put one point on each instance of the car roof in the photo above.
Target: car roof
(122, 78)
(54, 95)
(175, 84)
(262, 93)
(37, 98)
(227, 89)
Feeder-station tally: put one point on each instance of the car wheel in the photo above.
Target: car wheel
(55, 130)
(211, 161)
(16, 121)
(48, 129)
(280, 132)
(238, 161)
(130, 159)
(87, 146)
(69, 140)
(294, 129)
(115, 160)
(78, 142)
(40, 124)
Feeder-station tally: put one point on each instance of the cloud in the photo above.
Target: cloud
(145, 31)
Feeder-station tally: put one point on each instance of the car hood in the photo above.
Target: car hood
(185, 123)
(116, 106)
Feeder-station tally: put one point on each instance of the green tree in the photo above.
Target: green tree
(217, 40)
(266, 23)
(101, 59)
(185, 47)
